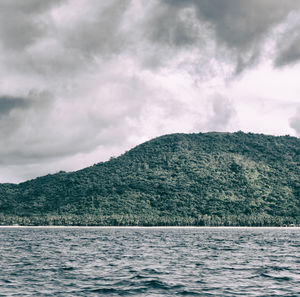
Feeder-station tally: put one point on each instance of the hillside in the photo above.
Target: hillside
(178, 179)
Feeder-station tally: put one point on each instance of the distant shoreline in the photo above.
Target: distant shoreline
(147, 227)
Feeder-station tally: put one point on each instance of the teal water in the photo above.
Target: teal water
(149, 262)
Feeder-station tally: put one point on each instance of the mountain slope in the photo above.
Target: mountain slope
(178, 179)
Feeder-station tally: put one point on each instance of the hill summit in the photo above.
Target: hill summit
(211, 179)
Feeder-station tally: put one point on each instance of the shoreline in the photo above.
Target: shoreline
(147, 227)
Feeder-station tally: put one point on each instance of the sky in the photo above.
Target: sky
(84, 80)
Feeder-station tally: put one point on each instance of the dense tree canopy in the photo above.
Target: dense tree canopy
(178, 179)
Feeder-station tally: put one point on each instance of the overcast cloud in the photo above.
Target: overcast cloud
(85, 80)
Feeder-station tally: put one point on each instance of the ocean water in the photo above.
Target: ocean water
(149, 262)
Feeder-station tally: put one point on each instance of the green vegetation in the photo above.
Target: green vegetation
(205, 179)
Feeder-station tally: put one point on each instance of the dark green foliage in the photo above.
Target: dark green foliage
(179, 179)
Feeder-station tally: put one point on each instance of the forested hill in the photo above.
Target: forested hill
(178, 179)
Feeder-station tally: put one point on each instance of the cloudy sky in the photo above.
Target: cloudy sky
(84, 80)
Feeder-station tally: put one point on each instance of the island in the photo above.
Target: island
(200, 179)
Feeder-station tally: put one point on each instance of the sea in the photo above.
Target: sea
(95, 261)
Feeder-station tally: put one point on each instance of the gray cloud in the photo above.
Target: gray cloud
(40, 127)
(223, 112)
(172, 26)
(238, 27)
(56, 49)
(8, 103)
(117, 72)
(288, 48)
(295, 122)
(240, 24)
(100, 32)
(15, 109)
(166, 29)
(19, 22)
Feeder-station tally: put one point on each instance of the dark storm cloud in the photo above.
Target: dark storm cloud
(243, 24)
(19, 25)
(99, 34)
(168, 25)
(32, 100)
(36, 42)
(8, 103)
(240, 27)
(42, 50)
(15, 109)
(119, 70)
(32, 129)
(288, 48)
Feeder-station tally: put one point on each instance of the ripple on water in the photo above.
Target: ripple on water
(149, 262)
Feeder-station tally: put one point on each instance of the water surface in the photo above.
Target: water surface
(149, 262)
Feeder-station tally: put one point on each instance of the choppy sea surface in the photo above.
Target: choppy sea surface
(149, 261)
